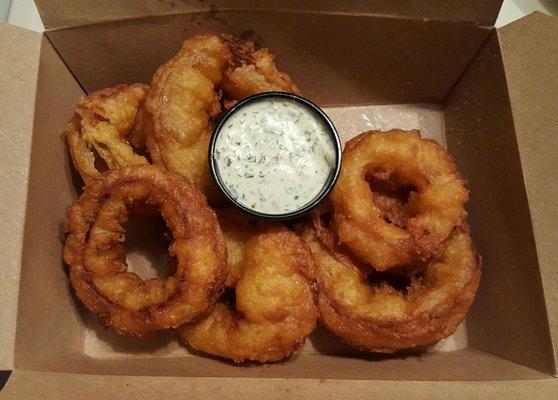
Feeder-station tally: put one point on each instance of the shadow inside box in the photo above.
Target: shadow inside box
(128, 344)
(320, 341)
(325, 342)
(244, 364)
(72, 175)
(122, 344)
(146, 245)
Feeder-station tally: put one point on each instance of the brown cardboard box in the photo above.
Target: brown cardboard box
(490, 95)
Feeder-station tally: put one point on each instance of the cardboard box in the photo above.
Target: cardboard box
(491, 96)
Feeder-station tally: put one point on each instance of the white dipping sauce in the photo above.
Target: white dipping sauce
(274, 155)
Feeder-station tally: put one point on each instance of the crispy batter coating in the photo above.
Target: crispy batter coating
(237, 229)
(382, 229)
(178, 108)
(184, 97)
(102, 131)
(97, 258)
(275, 307)
(252, 71)
(366, 311)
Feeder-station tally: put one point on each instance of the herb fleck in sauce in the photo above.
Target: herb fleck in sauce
(274, 155)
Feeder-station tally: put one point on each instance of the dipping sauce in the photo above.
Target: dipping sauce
(275, 155)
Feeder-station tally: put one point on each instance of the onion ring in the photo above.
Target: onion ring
(184, 98)
(178, 108)
(275, 308)
(103, 130)
(252, 71)
(97, 258)
(417, 230)
(371, 314)
(237, 229)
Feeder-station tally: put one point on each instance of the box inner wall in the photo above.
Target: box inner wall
(68, 341)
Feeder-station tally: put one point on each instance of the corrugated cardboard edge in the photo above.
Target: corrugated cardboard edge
(59, 14)
(530, 53)
(31, 385)
(19, 64)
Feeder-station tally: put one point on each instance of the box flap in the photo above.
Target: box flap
(509, 317)
(19, 63)
(104, 55)
(529, 48)
(58, 14)
(43, 285)
(28, 384)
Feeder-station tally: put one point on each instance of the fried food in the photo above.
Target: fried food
(375, 220)
(237, 229)
(97, 259)
(184, 97)
(178, 108)
(275, 308)
(252, 71)
(102, 134)
(367, 311)
(386, 263)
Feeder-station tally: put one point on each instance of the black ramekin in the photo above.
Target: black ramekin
(331, 179)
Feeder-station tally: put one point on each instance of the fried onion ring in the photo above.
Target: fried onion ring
(377, 228)
(103, 130)
(237, 229)
(275, 308)
(178, 108)
(368, 312)
(252, 71)
(97, 258)
(184, 97)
